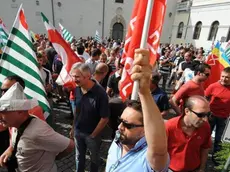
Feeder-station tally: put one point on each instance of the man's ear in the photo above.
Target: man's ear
(186, 111)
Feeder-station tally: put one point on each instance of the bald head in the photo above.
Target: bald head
(101, 69)
(196, 102)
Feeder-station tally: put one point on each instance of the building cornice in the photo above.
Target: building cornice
(210, 5)
(204, 26)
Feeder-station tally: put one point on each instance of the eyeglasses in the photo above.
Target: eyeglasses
(127, 125)
(201, 115)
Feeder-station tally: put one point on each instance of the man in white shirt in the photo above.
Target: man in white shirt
(93, 60)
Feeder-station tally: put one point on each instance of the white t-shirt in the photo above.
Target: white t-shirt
(85, 55)
(38, 147)
(92, 65)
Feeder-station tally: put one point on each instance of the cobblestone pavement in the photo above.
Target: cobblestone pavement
(61, 113)
(67, 164)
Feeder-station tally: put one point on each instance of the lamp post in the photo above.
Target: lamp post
(103, 18)
(52, 6)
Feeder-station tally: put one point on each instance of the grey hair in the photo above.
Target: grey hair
(84, 68)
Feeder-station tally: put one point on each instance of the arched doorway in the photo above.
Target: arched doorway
(118, 30)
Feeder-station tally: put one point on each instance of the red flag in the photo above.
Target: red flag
(218, 60)
(133, 39)
(63, 49)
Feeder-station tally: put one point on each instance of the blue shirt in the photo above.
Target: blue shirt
(135, 160)
(161, 99)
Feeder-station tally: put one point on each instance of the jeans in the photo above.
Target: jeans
(220, 124)
(172, 78)
(82, 143)
(73, 106)
(164, 76)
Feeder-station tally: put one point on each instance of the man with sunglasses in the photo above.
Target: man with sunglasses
(189, 137)
(190, 88)
(219, 95)
(141, 142)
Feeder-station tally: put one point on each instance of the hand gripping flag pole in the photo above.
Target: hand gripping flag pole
(143, 44)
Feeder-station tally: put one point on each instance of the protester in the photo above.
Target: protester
(164, 68)
(189, 137)
(187, 63)
(92, 115)
(159, 96)
(50, 53)
(93, 60)
(116, 107)
(175, 65)
(142, 144)
(30, 156)
(100, 73)
(192, 87)
(219, 95)
(112, 85)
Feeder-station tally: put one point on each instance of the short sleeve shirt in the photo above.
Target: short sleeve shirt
(220, 99)
(38, 147)
(113, 83)
(92, 65)
(189, 89)
(90, 108)
(161, 99)
(135, 160)
(185, 150)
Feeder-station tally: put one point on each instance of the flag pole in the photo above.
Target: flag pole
(143, 44)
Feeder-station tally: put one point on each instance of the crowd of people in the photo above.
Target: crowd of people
(142, 140)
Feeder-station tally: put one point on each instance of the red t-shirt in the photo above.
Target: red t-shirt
(184, 150)
(220, 99)
(189, 89)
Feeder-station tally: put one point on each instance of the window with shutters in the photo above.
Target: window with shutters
(197, 30)
(213, 30)
(180, 30)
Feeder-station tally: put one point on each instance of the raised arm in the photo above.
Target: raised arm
(155, 132)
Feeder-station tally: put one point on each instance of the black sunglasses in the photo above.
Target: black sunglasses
(127, 125)
(201, 115)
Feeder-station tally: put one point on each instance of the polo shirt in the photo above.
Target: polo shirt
(161, 99)
(135, 160)
(189, 89)
(220, 99)
(90, 108)
(184, 150)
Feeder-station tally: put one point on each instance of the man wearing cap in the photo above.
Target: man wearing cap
(36, 145)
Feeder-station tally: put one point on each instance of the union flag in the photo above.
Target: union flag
(133, 39)
(218, 60)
